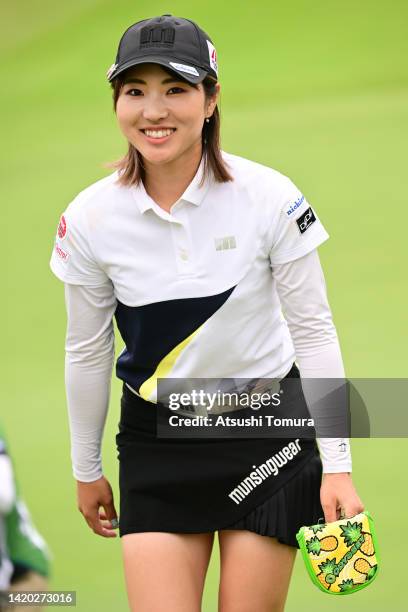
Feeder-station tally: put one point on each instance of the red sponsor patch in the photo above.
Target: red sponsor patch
(62, 227)
(61, 253)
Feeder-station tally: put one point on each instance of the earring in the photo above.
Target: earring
(207, 119)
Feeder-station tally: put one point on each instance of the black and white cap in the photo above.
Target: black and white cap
(170, 41)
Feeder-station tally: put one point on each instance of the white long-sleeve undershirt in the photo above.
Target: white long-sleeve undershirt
(89, 357)
(90, 354)
(302, 292)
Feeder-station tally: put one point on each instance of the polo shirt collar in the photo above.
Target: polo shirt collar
(193, 193)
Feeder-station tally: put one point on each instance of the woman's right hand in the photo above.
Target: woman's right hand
(91, 496)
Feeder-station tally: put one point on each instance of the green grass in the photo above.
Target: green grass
(317, 90)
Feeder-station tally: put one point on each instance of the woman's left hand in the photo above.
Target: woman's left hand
(338, 497)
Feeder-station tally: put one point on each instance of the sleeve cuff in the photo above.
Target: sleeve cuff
(87, 476)
(335, 468)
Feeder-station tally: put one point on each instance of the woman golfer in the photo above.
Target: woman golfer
(195, 252)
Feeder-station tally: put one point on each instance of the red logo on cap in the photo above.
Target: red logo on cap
(62, 227)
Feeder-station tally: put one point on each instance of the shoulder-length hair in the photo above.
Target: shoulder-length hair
(130, 166)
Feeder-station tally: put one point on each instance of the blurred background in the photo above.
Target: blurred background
(317, 90)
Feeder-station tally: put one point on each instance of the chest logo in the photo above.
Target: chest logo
(224, 243)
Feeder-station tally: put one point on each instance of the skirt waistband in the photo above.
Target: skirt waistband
(135, 407)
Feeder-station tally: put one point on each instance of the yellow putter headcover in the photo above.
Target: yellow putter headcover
(341, 557)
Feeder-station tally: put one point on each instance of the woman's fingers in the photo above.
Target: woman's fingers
(113, 523)
(354, 509)
(338, 497)
(93, 495)
(98, 526)
(330, 514)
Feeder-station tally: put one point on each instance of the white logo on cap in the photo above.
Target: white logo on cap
(184, 68)
(111, 70)
(213, 57)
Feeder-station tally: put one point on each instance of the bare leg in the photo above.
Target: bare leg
(255, 572)
(166, 571)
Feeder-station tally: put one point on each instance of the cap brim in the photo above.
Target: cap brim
(154, 59)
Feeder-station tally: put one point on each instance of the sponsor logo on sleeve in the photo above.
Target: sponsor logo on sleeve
(62, 254)
(62, 228)
(213, 57)
(184, 68)
(293, 206)
(306, 220)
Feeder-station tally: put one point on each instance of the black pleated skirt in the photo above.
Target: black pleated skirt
(204, 485)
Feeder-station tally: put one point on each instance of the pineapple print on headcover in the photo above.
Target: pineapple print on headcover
(342, 556)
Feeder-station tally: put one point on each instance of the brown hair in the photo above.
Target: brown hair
(130, 166)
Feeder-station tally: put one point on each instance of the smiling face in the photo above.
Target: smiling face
(161, 116)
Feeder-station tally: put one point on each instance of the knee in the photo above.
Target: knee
(248, 602)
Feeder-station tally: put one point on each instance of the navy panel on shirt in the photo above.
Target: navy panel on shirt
(152, 331)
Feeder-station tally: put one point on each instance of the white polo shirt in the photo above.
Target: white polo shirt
(195, 293)
(192, 290)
